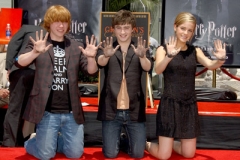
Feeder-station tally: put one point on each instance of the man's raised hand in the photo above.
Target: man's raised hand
(91, 48)
(39, 45)
(141, 49)
(107, 48)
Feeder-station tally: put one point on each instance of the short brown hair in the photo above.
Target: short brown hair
(124, 17)
(56, 13)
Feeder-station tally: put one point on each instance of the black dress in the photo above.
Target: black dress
(177, 114)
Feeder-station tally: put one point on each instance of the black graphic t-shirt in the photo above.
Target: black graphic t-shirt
(59, 101)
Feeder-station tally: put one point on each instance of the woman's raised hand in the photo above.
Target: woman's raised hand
(220, 50)
(171, 47)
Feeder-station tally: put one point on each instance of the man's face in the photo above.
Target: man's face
(57, 30)
(123, 33)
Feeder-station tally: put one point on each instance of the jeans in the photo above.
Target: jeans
(45, 144)
(135, 131)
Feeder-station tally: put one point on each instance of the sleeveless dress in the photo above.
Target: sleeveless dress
(177, 114)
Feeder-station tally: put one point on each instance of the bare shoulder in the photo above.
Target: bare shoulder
(199, 51)
(160, 48)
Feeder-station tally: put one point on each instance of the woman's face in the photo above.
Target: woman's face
(185, 31)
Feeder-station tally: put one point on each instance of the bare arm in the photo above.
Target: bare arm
(103, 60)
(163, 58)
(90, 52)
(27, 58)
(145, 63)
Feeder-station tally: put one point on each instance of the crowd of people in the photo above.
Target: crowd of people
(43, 66)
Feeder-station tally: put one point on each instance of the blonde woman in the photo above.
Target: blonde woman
(177, 115)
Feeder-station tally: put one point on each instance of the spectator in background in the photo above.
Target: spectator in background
(153, 44)
(152, 49)
(21, 81)
(4, 92)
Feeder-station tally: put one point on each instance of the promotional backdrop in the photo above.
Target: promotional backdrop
(85, 14)
(216, 19)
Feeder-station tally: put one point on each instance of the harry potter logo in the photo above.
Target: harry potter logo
(223, 31)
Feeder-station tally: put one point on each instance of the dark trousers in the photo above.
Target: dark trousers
(21, 82)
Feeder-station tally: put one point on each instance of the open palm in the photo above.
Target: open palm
(171, 46)
(91, 47)
(220, 49)
(40, 42)
(107, 48)
(141, 49)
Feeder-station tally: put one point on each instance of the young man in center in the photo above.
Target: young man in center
(54, 104)
(122, 100)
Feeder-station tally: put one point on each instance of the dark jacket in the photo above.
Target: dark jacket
(18, 44)
(110, 83)
(44, 73)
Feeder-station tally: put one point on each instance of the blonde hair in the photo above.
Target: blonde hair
(56, 13)
(185, 17)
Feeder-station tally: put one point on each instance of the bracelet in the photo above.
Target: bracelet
(106, 56)
(173, 54)
(170, 55)
(223, 58)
